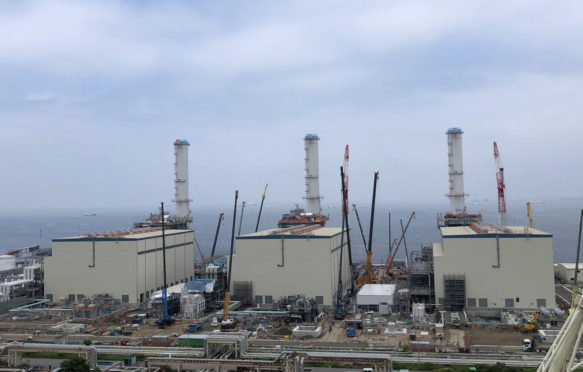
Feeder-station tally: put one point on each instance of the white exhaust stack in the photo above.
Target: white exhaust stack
(312, 174)
(456, 171)
(181, 179)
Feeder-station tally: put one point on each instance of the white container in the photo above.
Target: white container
(419, 313)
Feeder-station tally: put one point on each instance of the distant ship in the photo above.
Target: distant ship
(298, 216)
(90, 214)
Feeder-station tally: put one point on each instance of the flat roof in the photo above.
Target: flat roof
(571, 265)
(491, 231)
(129, 235)
(377, 290)
(297, 232)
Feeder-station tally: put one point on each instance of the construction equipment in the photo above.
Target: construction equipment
(531, 324)
(199, 250)
(227, 322)
(345, 180)
(405, 245)
(500, 185)
(194, 327)
(166, 319)
(369, 275)
(529, 214)
(348, 241)
(360, 226)
(241, 220)
(535, 343)
(389, 269)
(261, 208)
(391, 243)
(339, 309)
(221, 217)
(575, 281)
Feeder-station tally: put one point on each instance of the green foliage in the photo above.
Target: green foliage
(139, 357)
(75, 364)
(48, 355)
(87, 341)
(455, 368)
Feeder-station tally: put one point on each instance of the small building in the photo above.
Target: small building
(7, 262)
(126, 265)
(566, 272)
(189, 340)
(374, 296)
(277, 263)
(485, 267)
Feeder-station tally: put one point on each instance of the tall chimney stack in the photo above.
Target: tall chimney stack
(181, 179)
(312, 174)
(457, 203)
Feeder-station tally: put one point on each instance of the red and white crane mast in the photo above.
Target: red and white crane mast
(500, 185)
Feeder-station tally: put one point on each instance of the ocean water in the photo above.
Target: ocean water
(557, 217)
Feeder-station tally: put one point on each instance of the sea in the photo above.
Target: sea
(558, 217)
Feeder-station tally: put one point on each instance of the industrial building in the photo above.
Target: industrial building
(126, 265)
(487, 267)
(300, 260)
(482, 267)
(377, 297)
(566, 272)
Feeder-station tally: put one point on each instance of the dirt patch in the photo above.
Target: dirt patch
(496, 337)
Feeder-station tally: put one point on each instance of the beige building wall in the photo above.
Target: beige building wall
(523, 274)
(128, 268)
(285, 265)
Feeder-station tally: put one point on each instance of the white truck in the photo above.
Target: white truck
(536, 343)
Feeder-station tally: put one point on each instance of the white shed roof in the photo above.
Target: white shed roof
(374, 294)
(377, 290)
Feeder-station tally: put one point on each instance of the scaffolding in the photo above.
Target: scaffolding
(455, 291)
(420, 277)
(243, 292)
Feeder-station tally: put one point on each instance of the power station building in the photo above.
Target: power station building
(276, 263)
(125, 265)
(484, 267)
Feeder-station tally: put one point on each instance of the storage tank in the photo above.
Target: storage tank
(419, 313)
(7, 262)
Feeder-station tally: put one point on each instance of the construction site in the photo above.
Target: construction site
(295, 290)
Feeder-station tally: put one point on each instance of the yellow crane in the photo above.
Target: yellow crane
(529, 215)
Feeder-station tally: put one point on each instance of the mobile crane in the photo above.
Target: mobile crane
(360, 226)
(166, 319)
(389, 269)
(339, 309)
(260, 208)
(221, 218)
(369, 275)
(227, 322)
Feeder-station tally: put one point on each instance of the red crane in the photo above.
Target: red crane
(501, 187)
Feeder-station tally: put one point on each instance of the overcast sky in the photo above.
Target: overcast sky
(93, 94)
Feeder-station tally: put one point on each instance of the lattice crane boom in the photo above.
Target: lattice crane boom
(345, 167)
(501, 187)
